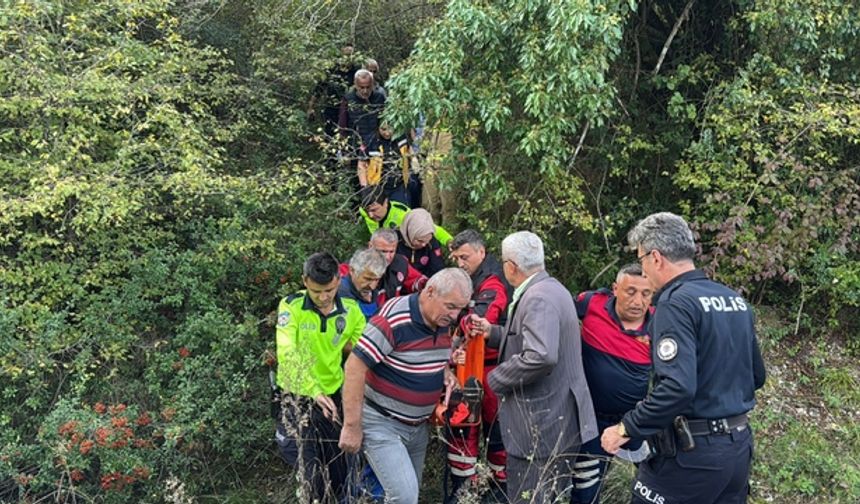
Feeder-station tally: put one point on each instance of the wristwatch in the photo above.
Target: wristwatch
(622, 431)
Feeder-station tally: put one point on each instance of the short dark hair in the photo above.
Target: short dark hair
(470, 237)
(632, 269)
(320, 267)
(372, 194)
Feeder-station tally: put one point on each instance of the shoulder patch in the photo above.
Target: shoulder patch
(667, 349)
(283, 319)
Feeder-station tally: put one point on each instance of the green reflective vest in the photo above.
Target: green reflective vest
(310, 345)
(392, 220)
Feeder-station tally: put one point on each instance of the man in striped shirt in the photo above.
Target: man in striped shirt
(394, 378)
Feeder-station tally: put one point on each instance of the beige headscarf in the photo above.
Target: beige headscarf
(416, 223)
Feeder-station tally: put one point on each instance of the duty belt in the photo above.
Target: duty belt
(704, 426)
(612, 418)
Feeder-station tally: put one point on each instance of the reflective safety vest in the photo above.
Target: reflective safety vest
(310, 345)
(392, 220)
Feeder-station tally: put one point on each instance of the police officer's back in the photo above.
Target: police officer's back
(706, 366)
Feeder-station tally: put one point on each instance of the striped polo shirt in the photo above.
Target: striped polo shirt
(406, 358)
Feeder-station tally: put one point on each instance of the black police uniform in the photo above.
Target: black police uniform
(707, 366)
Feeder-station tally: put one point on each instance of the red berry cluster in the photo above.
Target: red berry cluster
(77, 475)
(68, 428)
(118, 481)
(115, 433)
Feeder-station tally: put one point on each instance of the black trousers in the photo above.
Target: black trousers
(716, 471)
(307, 440)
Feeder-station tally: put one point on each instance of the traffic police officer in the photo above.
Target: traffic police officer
(706, 368)
(379, 211)
(315, 332)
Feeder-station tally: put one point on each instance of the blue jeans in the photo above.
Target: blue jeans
(396, 453)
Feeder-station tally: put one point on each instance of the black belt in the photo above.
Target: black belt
(704, 426)
(384, 412)
(612, 418)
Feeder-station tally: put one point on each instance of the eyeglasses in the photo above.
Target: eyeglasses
(509, 261)
(643, 256)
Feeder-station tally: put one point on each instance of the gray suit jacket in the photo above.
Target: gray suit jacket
(544, 405)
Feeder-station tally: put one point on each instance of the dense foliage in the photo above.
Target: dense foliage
(140, 261)
(161, 185)
(740, 116)
(518, 84)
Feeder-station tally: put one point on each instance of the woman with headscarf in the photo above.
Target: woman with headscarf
(418, 243)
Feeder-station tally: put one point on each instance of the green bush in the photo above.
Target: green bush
(774, 169)
(138, 269)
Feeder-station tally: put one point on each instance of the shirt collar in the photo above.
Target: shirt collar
(353, 290)
(387, 213)
(642, 330)
(518, 292)
(309, 305)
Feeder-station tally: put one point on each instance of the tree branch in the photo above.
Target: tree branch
(642, 20)
(579, 145)
(684, 15)
(601, 272)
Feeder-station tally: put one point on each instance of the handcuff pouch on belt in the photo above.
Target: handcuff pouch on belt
(667, 442)
(683, 435)
(663, 443)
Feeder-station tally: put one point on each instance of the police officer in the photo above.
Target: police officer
(706, 368)
(379, 211)
(315, 332)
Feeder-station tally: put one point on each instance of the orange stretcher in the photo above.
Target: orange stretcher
(462, 407)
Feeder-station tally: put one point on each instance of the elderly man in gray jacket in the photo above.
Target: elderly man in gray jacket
(545, 409)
